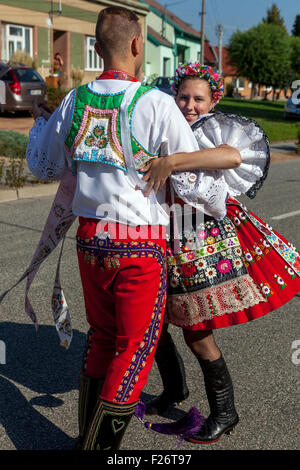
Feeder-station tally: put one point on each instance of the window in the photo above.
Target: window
(166, 67)
(238, 83)
(92, 60)
(27, 75)
(16, 37)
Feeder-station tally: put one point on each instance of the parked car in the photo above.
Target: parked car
(163, 84)
(292, 106)
(22, 84)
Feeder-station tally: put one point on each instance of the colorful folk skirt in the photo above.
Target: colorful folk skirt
(241, 269)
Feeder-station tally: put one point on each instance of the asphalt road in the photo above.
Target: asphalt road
(39, 381)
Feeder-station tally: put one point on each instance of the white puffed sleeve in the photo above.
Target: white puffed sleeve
(246, 136)
(45, 154)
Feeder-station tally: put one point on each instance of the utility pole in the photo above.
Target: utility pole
(220, 34)
(202, 32)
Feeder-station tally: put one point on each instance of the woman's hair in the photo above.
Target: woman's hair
(195, 70)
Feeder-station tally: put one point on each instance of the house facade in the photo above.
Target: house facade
(241, 86)
(169, 40)
(41, 29)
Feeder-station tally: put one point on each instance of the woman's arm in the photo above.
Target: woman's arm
(157, 171)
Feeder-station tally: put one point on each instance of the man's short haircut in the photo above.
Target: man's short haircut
(115, 28)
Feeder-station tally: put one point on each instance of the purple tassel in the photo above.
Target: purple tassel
(188, 425)
(140, 409)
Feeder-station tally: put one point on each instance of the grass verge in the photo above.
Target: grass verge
(268, 114)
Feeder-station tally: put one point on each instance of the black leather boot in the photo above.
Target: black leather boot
(108, 425)
(172, 372)
(219, 389)
(89, 391)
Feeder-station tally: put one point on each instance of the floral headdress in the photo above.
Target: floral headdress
(202, 71)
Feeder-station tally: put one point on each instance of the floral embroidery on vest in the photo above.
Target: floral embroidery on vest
(95, 134)
(97, 138)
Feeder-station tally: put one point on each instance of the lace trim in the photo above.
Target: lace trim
(229, 297)
(205, 192)
(256, 136)
(37, 157)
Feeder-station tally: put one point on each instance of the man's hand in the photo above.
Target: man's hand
(156, 173)
(40, 110)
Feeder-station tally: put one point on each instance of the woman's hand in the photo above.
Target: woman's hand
(156, 173)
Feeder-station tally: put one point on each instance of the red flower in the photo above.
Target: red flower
(296, 265)
(188, 269)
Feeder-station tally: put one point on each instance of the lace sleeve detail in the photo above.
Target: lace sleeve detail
(206, 191)
(45, 153)
(249, 138)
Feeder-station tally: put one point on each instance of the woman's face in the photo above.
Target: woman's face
(193, 99)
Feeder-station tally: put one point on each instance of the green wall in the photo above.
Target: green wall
(45, 7)
(77, 49)
(43, 47)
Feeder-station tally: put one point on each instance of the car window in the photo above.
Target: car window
(27, 75)
(6, 77)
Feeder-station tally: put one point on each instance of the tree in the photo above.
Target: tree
(262, 55)
(295, 56)
(296, 26)
(273, 17)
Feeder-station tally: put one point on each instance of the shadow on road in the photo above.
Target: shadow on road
(37, 362)
(26, 227)
(172, 413)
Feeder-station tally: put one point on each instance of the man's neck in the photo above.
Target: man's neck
(121, 66)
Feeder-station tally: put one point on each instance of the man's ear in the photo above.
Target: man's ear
(97, 49)
(136, 46)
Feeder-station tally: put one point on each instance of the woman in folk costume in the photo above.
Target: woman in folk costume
(225, 272)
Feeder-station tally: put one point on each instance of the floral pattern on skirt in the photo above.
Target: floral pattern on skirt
(211, 280)
(203, 297)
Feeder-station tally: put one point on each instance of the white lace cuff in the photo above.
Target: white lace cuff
(206, 192)
(45, 153)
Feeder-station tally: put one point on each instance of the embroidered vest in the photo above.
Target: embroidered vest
(95, 134)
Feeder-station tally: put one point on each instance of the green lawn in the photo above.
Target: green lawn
(268, 114)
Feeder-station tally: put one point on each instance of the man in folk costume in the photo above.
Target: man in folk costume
(106, 131)
(123, 276)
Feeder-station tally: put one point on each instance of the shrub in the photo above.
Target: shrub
(2, 161)
(22, 57)
(13, 144)
(55, 97)
(77, 77)
(229, 90)
(14, 176)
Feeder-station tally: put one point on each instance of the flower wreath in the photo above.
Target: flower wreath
(202, 71)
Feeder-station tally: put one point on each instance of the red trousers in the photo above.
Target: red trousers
(124, 287)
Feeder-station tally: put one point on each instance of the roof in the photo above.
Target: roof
(227, 68)
(209, 54)
(157, 38)
(177, 22)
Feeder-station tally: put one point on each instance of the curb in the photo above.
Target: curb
(28, 192)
